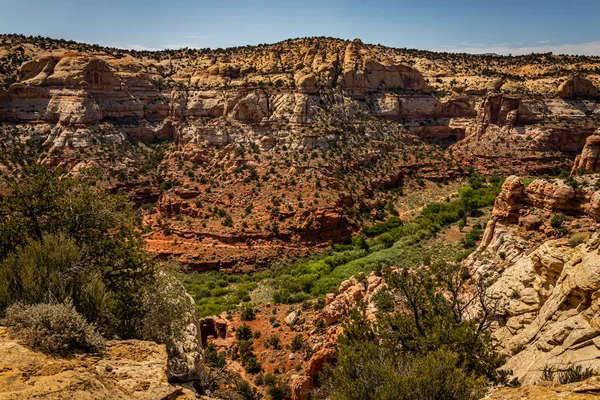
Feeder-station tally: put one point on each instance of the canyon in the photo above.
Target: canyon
(245, 158)
(241, 155)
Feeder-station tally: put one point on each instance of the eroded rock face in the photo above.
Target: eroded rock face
(185, 356)
(578, 86)
(130, 369)
(351, 292)
(546, 288)
(508, 201)
(83, 108)
(589, 159)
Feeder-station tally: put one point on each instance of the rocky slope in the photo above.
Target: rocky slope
(542, 245)
(241, 155)
(130, 369)
(316, 324)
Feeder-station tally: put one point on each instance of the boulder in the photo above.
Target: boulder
(292, 318)
(589, 159)
(129, 369)
(577, 86)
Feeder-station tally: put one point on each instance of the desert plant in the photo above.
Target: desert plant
(577, 238)
(557, 221)
(575, 373)
(56, 329)
(247, 314)
(297, 343)
(243, 333)
(252, 366)
(273, 342)
(99, 257)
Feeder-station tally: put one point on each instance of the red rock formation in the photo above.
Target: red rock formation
(508, 202)
(589, 159)
(318, 359)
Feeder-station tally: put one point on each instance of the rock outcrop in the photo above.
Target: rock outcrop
(130, 369)
(350, 294)
(586, 390)
(546, 287)
(589, 159)
(577, 86)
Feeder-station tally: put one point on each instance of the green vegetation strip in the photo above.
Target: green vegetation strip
(379, 246)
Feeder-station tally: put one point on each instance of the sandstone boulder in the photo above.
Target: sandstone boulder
(507, 203)
(577, 86)
(589, 159)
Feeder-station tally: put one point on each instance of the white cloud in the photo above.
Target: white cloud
(140, 47)
(177, 46)
(543, 41)
(587, 49)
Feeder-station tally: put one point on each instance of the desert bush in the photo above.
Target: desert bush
(423, 349)
(247, 314)
(213, 358)
(244, 391)
(279, 390)
(574, 373)
(297, 343)
(557, 221)
(272, 342)
(67, 238)
(166, 310)
(252, 366)
(243, 333)
(577, 238)
(56, 329)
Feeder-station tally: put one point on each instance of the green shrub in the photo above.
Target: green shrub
(243, 332)
(273, 342)
(279, 391)
(252, 365)
(426, 348)
(557, 221)
(213, 358)
(56, 329)
(297, 343)
(67, 238)
(574, 373)
(244, 391)
(166, 310)
(247, 314)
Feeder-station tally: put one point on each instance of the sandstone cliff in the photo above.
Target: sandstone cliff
(181, 131)
(542, 245)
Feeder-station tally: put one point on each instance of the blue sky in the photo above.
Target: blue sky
(502, 26)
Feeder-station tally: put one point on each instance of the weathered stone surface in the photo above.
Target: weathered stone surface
(301, 386)
(318, 359)
(546, 289)
(130, 369)
(589, 159)
(507, 203)
(577, 86)
(586, 390)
